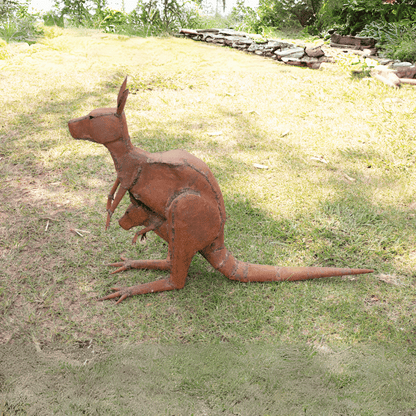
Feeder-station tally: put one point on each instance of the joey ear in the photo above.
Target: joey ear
(122, 102)
(120, 93)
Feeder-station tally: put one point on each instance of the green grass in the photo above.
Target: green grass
(356, 210)
(222, 379)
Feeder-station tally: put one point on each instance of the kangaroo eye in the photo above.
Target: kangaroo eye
(91, 117)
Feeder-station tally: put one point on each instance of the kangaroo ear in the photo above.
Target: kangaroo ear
(120, 93)
(122, 102)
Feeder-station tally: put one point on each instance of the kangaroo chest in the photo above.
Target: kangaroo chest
(165, 176)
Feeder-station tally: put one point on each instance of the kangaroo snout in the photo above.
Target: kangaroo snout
(78, 127)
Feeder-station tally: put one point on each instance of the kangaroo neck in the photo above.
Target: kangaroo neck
(127, 160)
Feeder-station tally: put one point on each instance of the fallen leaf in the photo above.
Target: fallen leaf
(258, 166)
(319, 159)
(349, 177)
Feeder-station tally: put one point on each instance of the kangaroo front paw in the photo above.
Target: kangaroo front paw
(127, 264)
(122, 292)
(122, 265)
(142, 289)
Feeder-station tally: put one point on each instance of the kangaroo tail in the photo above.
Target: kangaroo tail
(223, 261)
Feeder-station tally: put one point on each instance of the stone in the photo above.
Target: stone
(406, 72)
(188, 32)
(314, 65)
(231, 32)
(344, 40)
(291, 51)
(254, 47)
(229, 40)
(314, 52)
(386, 75)
(293, 61)
(271, 48)
(215, 31)
(238, 45)
(278, 44)
(345, 47)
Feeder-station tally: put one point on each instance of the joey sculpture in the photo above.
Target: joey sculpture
(175, 195)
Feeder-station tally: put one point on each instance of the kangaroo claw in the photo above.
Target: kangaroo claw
(122, 292)
(123, 265)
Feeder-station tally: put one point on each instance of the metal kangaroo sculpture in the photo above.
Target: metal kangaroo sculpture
(175, 195)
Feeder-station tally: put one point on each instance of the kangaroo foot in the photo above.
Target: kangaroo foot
(127, 264)
(126, 292)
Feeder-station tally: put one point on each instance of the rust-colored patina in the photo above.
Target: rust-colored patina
(175, 195)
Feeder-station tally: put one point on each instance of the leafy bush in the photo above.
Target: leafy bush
(78, 11)
(53, 18)
(349, 18)
(112, 20)
(397, 40)
(18, 25)
(155, 17)
(275, 14)
(247, 19)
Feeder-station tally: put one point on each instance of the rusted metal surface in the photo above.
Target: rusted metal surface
(175, 195)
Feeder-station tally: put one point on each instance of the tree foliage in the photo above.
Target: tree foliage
(350, 17)
(277, 14)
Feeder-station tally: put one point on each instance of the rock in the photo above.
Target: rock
(285, 52)
(290, 52)
(246, 41)
(313, 65)
(408, 81)
(386, 75)
(311, 62)
(314, 52)
(369, 52)
(407, 72)
(231, 32)
(293, 61)
(345, 47)
(254, 47)
(188, 32)
(277, 44)
(366, 42)
(344, 40)
(215, 31)
(229, 40)
(396, 65)
(403, 69)
(238, 45)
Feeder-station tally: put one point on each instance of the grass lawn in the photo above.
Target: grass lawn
(340, 190)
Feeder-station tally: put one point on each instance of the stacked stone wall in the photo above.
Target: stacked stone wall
(285, 52)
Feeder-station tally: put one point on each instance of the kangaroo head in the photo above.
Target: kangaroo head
(103, 125)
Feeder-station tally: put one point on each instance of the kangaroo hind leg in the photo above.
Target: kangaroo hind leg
(193, 224)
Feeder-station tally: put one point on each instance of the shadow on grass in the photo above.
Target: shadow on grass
(219, 379)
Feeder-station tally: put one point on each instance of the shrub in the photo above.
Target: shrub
(349, 18)
(112, 20)
(155, 17)
(397, 40)
(53, 18)
(17, 25)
